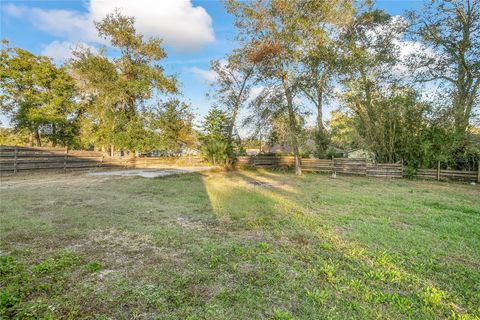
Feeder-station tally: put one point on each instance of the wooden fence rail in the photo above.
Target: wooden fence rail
(15, 159)
(159, 162)
(19, 159)
(448, 174)
(356, 166)
(23, 159)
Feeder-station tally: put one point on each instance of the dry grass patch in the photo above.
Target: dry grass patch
(216, 246)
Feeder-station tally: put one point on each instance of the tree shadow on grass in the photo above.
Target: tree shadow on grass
(200, 245)
(368, 282)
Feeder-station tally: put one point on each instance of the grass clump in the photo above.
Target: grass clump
(217, 246)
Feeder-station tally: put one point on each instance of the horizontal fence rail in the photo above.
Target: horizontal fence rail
(15, 159)
(356, 166)
(392, 170)
(30, 159)
(350, 166)
(158, 162)
(448, 174)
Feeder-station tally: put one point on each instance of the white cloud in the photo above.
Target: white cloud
(58, 51)
(409, 52)
(13, 10)
(206, 75)
(181, 25)
(61, 51)
(255, 92)
(178, 22)
(72, 25)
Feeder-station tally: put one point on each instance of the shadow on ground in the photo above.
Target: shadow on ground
(246, 244)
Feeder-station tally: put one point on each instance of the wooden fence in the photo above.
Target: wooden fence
(440, 174)
(158, 162)
(15, 159)
(19, 159)
(385, 170)
(356, 167)
(350, 166)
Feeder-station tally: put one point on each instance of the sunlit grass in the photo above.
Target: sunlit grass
(220, 246)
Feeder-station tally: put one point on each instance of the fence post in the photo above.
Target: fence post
(334, 170)
(401, 163)
(15, 160)
(65, 160)
(438, 170)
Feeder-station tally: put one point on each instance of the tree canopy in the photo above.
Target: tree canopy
(115, 89)
(37, 95)
(403, 88)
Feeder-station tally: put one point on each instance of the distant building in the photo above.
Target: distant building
(337, 152)
(252, 152)
(359, 153)
(185, 151)
(277, 148)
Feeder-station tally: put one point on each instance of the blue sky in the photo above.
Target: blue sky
(195, 32)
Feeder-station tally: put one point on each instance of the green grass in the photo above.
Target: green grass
(213, 246)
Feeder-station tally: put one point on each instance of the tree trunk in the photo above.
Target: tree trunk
(321, 143)
(237, 102)
(132, 154)
(467, 84)
(462, 117)
(37, 138)
(320, 111)
(30, 138)
(293, 127)
(54, 140)
(232, 122)
(236, 106)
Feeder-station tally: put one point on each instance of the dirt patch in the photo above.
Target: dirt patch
(464, 261)
(260, 184)
(400, 225)
(264, 184)
(45, 179)
(125, 252)
(150, 173)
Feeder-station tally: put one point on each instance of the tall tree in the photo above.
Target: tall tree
(342, 130)
(272, 30)
(394, 125)
(235, 78)
(114, 89)
(215, 144)
(451, 29)
(322, 55)
(173, 125)
(37, 95)
(371, 55)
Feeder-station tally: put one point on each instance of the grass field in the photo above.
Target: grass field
(219, 246)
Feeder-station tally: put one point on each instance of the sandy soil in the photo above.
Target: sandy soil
(150, 173)
(72, 178)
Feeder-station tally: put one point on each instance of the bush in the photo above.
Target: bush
(216, 151)
(410, 171)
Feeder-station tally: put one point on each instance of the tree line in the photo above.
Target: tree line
(96, 100)
(404, 88)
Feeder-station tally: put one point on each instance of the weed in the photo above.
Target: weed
(212, 247)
